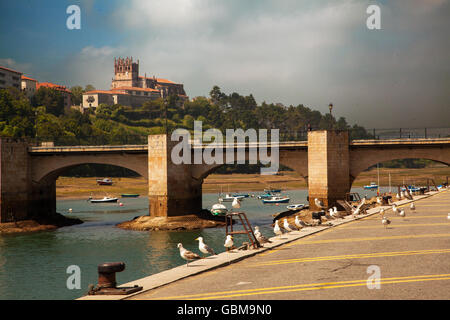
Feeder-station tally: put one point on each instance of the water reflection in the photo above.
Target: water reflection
(33, 266)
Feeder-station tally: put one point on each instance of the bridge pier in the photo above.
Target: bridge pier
(14, 180)
(328, 166)
(172, 189)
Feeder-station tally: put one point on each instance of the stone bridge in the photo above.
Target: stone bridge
(328, 161)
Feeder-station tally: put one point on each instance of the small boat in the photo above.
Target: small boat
(265, 196)
(295, 207)
(129, 195)
(219, 209)
(245, 195)
(104, 182)
(276, 200)
(104, 200)
(229, 198)
(272, 190)
(372, 186)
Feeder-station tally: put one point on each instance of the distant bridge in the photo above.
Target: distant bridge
(328, 161)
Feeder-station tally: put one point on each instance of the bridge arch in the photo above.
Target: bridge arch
(50, 167)
(363, 159)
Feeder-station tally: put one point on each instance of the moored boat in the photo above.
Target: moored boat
(104, 200)
(105, 182)
(229, 198)
(129, 195)
(372, 186)
(276, 200)
(219, 209)
(295, 207)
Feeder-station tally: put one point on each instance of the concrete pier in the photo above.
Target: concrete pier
(413, 255)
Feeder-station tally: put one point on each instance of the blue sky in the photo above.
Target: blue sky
(290, 51)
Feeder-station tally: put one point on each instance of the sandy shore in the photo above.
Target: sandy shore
(82, 188)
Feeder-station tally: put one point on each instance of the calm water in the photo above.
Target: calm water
(33, 266)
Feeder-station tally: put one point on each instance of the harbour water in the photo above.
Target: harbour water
(33, 266)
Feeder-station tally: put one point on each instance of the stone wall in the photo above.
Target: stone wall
(14, 180)
(328, 166)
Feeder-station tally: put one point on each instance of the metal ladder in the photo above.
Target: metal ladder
(245, 223)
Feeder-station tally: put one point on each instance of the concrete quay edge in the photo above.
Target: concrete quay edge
(223, 259)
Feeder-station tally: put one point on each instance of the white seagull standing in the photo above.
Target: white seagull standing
(204, 248)
(385, 221)
(229, 242)
(277, 230)
(413, 206)
(287, 226)
(257, 232)
(319, 203)
(394, 208)
(356, 211)
(402, 213)
(298, 223)
(382, 212)
(187, 255)
(261, 239)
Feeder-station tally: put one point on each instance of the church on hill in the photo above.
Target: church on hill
(130, 89)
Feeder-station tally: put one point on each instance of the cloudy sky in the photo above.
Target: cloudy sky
(290, 51)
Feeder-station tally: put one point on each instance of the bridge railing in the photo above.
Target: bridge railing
(284, 135)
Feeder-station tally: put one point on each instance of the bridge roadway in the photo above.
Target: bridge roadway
(413, 256)
(407, 143)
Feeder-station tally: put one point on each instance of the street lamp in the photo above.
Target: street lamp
(330, 106)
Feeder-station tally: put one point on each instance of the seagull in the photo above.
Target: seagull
(236, 204)
(385, 221)
(204, 248)
(187, 255)
(261, 239)
(397, 196)
(229, 242)
(319, 203)
(413, 206)
(394, 208)
(330, 214)
(356, 211)
(298, 223)
(257, 233)
(277, 230)
(382, 212)
(402, 213)
(287, 226)
(402, 194)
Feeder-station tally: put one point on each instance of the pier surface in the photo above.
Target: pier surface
(411, 257)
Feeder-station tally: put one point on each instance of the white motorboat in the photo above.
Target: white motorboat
(276, 200)
(219, 209)
(229, 198)
(104, 200)
(295, 207)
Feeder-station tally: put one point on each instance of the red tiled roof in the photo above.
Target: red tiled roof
(158, 79)
(52, 86)
(8, 69)
(164, 81)
(28, 78)
(102, 91)
(135, 89)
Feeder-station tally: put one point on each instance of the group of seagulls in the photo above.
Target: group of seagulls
(204, 248)
(396, 210)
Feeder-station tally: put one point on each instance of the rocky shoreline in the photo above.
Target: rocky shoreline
(41, 224)
(196, 221)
